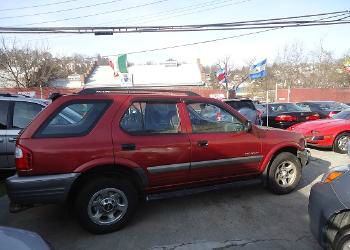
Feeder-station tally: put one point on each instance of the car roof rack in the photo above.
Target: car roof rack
(106, 90)
(13, 95)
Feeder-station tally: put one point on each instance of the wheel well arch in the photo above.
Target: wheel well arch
(341, 132)
(288, 149)
(334, 224)
(136, 176)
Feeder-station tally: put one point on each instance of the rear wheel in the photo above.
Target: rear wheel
(341, 143)
(284, 173)
(106, 204)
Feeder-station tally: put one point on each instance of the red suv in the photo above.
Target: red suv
(104, 149)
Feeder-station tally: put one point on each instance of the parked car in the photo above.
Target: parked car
(16, 112)
(284, 115)
(327, 133)
(325, 109)
(246, 108)
(19, 239)
(329, 209)
(143, 144)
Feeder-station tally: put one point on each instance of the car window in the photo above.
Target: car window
(24, 113)
(285, 107)
(67, 122)
(150, 118)
(209, 118)
(345, 115)
(3, 114)
(330, 106)
(241, 104)
(304, 107)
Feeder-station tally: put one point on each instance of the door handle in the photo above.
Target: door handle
(202, 143)
(128, 147)
(12, 139)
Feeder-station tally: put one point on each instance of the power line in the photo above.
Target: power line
(178, 10)
(282, 22)
(39, 5)
(62, 10)
(96, 14)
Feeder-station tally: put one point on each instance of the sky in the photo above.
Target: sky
(176, 12)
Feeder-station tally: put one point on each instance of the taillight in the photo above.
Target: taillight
(285, 118)
(23, 160)
(313, 117)
(331, 114)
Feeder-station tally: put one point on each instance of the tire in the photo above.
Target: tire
(284, 173)
(340, 143)
(106, 204)
(342, 240)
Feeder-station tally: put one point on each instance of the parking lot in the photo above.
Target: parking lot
(242, 217)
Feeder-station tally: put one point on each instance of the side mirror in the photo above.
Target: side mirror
(248, 126)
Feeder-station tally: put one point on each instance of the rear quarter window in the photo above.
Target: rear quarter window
(73, 119)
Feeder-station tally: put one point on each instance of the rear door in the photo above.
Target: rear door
(221, 146)
(4, 106)
(151, 136)
(21, 114)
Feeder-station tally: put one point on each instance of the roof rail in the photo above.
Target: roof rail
(104, 90)
(13, 95)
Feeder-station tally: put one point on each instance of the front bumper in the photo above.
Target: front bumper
(304, 156)
(42, 189)
(322, 141)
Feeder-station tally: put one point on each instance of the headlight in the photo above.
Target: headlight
(334, 174)
(315, 132)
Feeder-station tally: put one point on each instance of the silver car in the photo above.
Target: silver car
(16, 112)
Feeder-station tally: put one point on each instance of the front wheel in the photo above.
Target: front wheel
(284, 173)
(106, 204)
(341, 143)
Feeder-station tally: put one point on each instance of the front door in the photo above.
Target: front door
(221, 145)
(152, 137)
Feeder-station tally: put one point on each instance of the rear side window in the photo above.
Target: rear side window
(73, 119)
(237, 105)
(4, 106)
(24, 113)
(150, 118)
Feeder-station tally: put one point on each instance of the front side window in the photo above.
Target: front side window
(209, 118)
(24, 113)
(149, 118)
(74, 119)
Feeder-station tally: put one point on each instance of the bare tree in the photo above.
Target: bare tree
(24, 67)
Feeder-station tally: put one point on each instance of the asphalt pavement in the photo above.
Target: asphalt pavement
(248, 217)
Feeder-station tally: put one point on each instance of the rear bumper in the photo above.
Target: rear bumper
(45, 189)
(304, 156)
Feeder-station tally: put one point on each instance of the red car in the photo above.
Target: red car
(327, 133)
(103, 149)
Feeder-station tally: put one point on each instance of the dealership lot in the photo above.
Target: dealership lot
(242, 217)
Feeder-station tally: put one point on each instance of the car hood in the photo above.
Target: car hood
(323, 124)
(12, 238)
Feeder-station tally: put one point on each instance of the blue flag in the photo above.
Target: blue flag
(258, 70)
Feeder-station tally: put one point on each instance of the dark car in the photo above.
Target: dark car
(102, 150)
(246, 108)
(325, 109)
(284, 115)
(329, 209)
